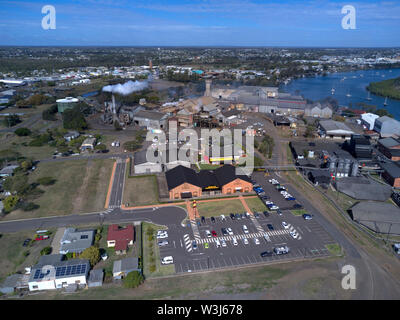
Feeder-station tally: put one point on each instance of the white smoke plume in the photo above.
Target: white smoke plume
(127, 87)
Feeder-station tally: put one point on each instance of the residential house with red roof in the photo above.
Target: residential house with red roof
(120, 238)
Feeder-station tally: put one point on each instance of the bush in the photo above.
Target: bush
(10, 203)
(22, 132)
(152, 268)
(97, 237)
(45, 251)
(26, 253)
(92, 254)
(29, 206)
(46, 181)
(133, 279)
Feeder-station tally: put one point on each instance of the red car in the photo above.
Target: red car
(41, 238)
(214, 234)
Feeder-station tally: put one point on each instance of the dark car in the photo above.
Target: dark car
(266, 254)
(198, 223)
(279, 212)
(297, 206)
(26, 242)
(237, 216)
(266, 213)
(257, 215)
(264, 198)
(270, 226)
(232, 216)
(224, 232)
(203, 220)
(212, 219)
(307, 216)
(242, 216)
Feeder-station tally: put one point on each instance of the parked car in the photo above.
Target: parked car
(194, 244)
(208, 234)
(270, 226)
(285, 225)
(266, 254)
(203, 220)
(212, 219)
(234, 242)
(162, 243)
(256, 241)
(26, 242)
(281, 250)
(297, 206)
(247, 215)
(279, 212)
(218, 243)
(396, 248)
(42, 237)
(224, 232)
(232, 216)
(198, 223)
(162, 235)
(167, 260)
(245, 229)
(223, 217)
(242, 216)
(257, 215)
(206, 245)
(223, 243)
(307, 216)
(266, 213)
(237, 216)
(214, 234)
(245, 241)
(266, 237)
(230, 232)
(294, 234)
(273, 208)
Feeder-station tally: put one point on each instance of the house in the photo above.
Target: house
(52, 272)
(14, 282)
(390, 147)
(122, 267)
(88, 143)
(387, 127)
(74, 241)
(368, 120)
(7, 171)
(71, 135)
(185, 183)
(142, 165)
(96, 278)
(120, 238)
(334, 130)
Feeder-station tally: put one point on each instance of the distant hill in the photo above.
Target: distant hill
(387, 88)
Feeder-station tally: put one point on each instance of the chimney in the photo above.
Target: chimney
(208, 88)
(113, 105)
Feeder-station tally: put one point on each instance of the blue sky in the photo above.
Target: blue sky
(201, 23)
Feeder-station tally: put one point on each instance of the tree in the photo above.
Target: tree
(11, 120)
(10, 203)
(74, 119)
(22, 132)
(45, 251)
(26, 165)
(309, 133)
(133, 279)
(92, 254)
(117, 126)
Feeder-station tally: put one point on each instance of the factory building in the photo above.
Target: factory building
(66, 103)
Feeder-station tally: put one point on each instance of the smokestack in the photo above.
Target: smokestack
(208, 88)
(114, 110)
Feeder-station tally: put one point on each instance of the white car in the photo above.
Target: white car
(167, 260)
(208, 233)
(218, 244)
(230, 232)
(245, 229)
(294, 234)
(247, 215)
(223, 243)
(161, 232)
(274, 208)
(162, 235)
(234, 241)
(223, 217)
(256, 241)
(245, 241)
(285, 225)
(266, 237)
(268, 202)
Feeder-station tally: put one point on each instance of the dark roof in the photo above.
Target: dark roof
(207, 178)
(392, 169)
(96, 275)
(152, 115)
(362, 188)
(227, 173)
(179, 175)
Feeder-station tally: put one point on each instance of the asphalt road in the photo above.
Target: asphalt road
(117, 190)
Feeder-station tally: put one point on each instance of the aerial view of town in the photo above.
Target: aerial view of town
(199, 150)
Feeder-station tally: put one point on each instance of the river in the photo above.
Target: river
(346, 83)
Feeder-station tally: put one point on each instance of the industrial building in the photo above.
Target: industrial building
(185, 183)
(387, 127)
(368, 120)
(334, 130)
(390, 147)
(150, 119)
(360, 147)
(66, 103)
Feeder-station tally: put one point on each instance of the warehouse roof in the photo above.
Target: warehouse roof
(389, 142)
(392, 168)
(153, 115)
(361, 188)
(179, 175)
(382, 217)
(331, 125)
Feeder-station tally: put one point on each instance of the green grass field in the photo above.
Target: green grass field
(216, 208)
(335, 249)
(140, 190)
(81, 186)
(299, 212)
(255, 204)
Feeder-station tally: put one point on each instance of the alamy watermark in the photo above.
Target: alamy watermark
(49, 20)
(349, 20)
(349, 280)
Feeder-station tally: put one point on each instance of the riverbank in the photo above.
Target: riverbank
(386, 88)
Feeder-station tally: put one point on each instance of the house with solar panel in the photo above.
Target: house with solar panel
(52, 272)
(75, 241)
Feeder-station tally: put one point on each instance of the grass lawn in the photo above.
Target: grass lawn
(14, 257)
(299, 212)
(216, 208)
(205, 166)
(255, 204)
(81, 186)
(343, 200)
(335, 249)
(151, 253)
(140, 190)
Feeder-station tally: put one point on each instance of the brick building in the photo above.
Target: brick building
(184, 183)
(390, 147)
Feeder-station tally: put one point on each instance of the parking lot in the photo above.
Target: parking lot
(205, 255)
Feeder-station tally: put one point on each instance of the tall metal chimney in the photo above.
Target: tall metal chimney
(208, 88)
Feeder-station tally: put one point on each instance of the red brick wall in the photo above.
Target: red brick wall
(186, 187)
(230, 187)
